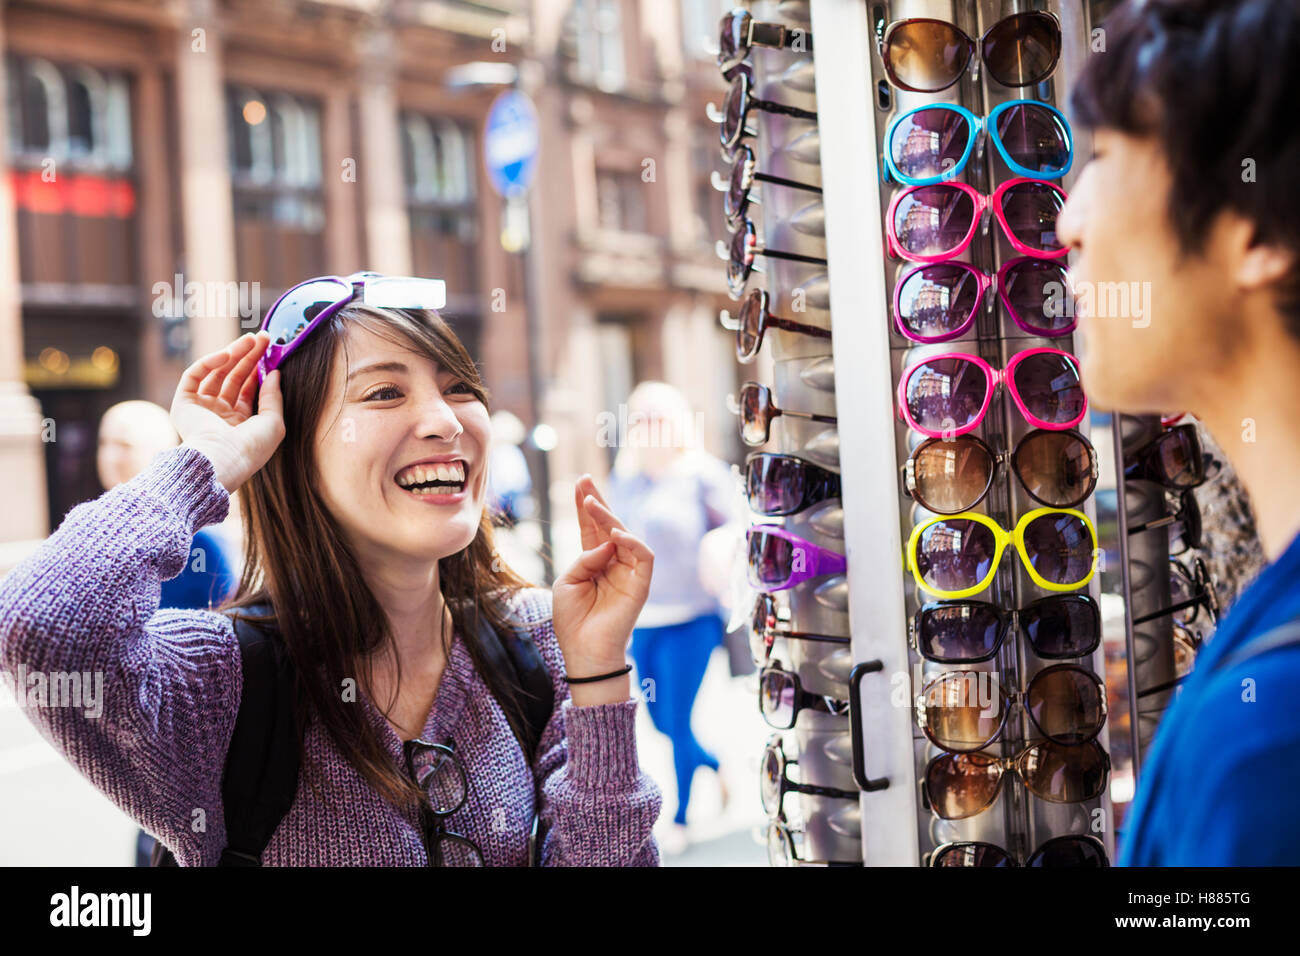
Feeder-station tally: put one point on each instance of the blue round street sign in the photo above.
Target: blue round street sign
(510, 143)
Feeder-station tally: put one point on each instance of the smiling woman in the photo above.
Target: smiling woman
(363, 477)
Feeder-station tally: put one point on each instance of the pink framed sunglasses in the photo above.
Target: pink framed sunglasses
(936, 222)
(948, 395)
(938, 301)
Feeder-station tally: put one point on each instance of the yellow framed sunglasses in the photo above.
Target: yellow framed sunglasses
(957, 556)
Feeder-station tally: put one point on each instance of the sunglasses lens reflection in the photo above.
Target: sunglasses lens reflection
(934, 220)
(962, 785)
(1059, 773)
(1035, 293)
(770, 782)
(1066, 704)
(1022, 50)
(733, 117)
(929, 142)
(1062, 627)
(749, 335)
(937, 302)
(755, 404)
(955, 554)
(960, 633)
(1055, 467)
(1034, 137)
(973, 855)
(770, 560)
(299, 306)
(963, 710)
(1060, 548)
(1050, 387)
(1030, 210)
(775, 484)
(946, 394)
(952, 476)
(1070, 851)
(777, 698)
(1181, 463)
(927, 55)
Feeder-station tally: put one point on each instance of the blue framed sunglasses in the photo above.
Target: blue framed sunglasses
(932, 144)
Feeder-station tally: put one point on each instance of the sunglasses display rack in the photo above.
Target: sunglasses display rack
(1170, 602)
(1055, 710)
(775, 250)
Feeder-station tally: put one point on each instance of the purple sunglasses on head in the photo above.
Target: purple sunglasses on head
(305, 306)
(780, 560)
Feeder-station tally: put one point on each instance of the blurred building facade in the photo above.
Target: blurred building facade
(172, 167)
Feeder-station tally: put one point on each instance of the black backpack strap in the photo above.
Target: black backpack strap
(514, 652)
(261, 773)
(261, 778)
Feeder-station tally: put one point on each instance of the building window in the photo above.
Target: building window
(275, 176)
(438, 162)
(620, 201)
(74, 113)
(598, 29)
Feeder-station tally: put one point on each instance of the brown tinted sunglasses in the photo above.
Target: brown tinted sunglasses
(924, 55)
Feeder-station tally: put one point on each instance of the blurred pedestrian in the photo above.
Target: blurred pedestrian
(673, 493)
(130, 435)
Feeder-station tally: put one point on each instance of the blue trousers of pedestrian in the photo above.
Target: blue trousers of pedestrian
(675, 659)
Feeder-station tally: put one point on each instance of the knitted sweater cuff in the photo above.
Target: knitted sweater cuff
(185, 479)
(602, 744)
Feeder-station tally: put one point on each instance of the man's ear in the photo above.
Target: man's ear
(1262, 264)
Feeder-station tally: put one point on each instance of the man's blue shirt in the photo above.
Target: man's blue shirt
(1221, 780)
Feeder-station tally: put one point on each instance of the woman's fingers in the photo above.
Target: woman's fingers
(592, 490)
(251, 346)
(590, 563)
(633, 548)
(194, 376)
(604, 518)
(586, 526)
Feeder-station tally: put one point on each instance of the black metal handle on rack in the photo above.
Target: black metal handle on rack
(855, 727)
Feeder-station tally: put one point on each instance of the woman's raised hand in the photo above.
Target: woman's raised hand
(213, 410)
(595, 604)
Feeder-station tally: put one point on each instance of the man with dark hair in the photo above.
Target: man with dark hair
(1191, 199)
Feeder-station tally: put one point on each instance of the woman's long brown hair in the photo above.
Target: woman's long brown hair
(298, 560)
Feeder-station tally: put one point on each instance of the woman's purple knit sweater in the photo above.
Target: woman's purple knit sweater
(87, 601)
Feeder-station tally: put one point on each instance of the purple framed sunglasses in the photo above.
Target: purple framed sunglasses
(305, 306)
(780, 560)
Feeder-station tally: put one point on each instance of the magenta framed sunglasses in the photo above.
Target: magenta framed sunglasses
(297, 313)
(779, 560)
(938, 221)
(938, 301)
(948, 395)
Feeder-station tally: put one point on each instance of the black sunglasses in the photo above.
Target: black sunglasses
(1174, 458)
(743, 250)
(1074, 850)
(765, 626)
(736, 109)
(744, 173)
(738, 31)
(438, 771)
(774, 781)
(781, 849)
(781, 697)
(779, 485)
(1058, 627)
(1191, 591)
(1183, 522)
